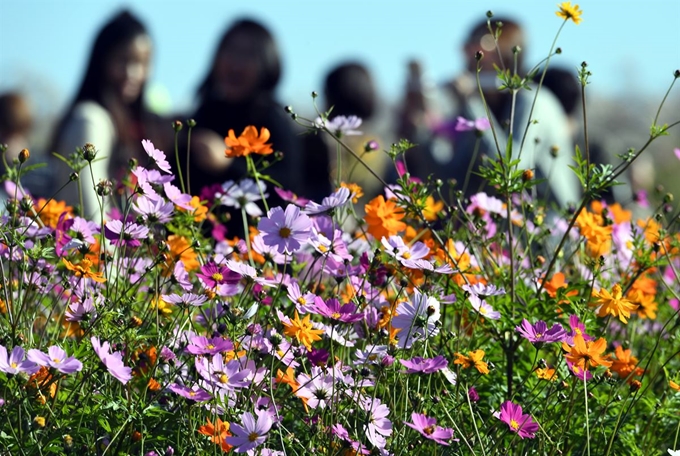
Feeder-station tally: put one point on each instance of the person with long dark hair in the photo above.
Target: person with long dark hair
(238, 91)
(108, 110)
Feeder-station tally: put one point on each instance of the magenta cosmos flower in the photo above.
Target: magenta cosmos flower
(112, 361)
(345, 313)
(55, 358)
(418, 365)
(524, 425)
(286, 230)
(251, 434)
(539, 332)
(428, 428)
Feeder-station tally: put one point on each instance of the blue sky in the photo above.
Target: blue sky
(628, 45)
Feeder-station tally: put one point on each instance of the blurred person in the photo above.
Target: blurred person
(349, 90)
(108, 111)
(448, 153)
(16, 131)
(564, 84)
(238, 91)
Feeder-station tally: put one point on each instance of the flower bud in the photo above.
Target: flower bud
(635, 385)
(676, 73)
(104, 187)
(288, 109)
(314, 94)
(73, 177)
(24, 155)
(191, 123)
(527, 175)
(177, 126)
(558, 50)
(89, 152)
(489, 14)
(668, 198)
(39, 421)
(26, 203)
(479, 55)
(554, 151)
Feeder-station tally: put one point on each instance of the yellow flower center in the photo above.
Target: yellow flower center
(284, 232)
(514, 424)
(13, 365)
(217, 277)
(224, 378)
(406, 255)
(56, 360)
(301, 300)
(482, 310)
(210, 346)
(335, 315)
(429, 430)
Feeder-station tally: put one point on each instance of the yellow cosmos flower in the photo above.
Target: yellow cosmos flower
(613, 304)
(567, 11)
(473, 360)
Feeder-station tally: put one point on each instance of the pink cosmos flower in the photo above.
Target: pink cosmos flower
(112, 361)
(417, 365)
(290, 197)
(195, 393)
(55, 358)
(157, 156)
(676, 151)
(416, 319)
(251, 434)
(186, 299)
(286, 230)
(345, 313)
(125, 234)
(153, 211)
(379, 427)
(340, 125)
(524, 425)
(178, 198)
(428, 428)
(16, 363)
(201, 345)
(480, 124)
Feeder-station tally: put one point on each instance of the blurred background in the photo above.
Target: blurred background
(631, 48)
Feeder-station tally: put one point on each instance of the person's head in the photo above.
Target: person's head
(481, 38)
(119, 62)
(247, 63)
(349, 90)
(15, 116)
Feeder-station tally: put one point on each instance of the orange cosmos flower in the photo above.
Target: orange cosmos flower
(248, 143)
(50, 211)
(302, 330)
(217, 433)
(625, 363)
(613, 304)
(473, 360)
(180, 249)
(674, 385)
(551, 286)
(200, 210)
(383, 218)
(41, 383)
(354, 189)
(432, 208)
(83, 270)
(583, 354)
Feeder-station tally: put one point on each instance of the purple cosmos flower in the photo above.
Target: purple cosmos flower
(373, 354)
(55, 358)
(578, 372)
(181, 275)
(290, 197)
(539, 332)
(251, 434)
(418, 365)
(334, 200)
(411, 257)
(332, 309)
(200, 345)
(157, 156)
(244, 194)
(178, 198)
(144, 186)
(303, 301)
(524, 425)
(112, 361)
(473, 394)
(428, 428)
(16, 363)
(195, 393)
(379, 427)
(318, 356)
(125, 234)
(228, 376)
(483, 308)
(416, 319)
(286, 231)
(153, 211)
(340, 125)
(186, 299)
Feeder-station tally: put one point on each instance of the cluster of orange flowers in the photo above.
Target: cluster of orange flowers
(249, 142)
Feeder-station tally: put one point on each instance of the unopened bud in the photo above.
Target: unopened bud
(371, 146)
(73, 177)
(676, 73)
(479, 55)
(314, 94)
(177, 126)
(558, 50)
(26, 203)
(554, 151)
(288, 109)
(668, 198)
(191, 123)
(635, 385)
(527, 175)
(489, 14)
(24, 155)
(89, 152)
(516, 49)
(104, 187)
(584, 64)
